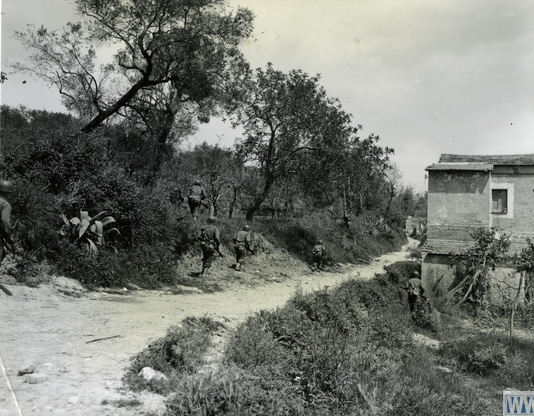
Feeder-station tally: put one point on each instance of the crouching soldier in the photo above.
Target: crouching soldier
(415, 291)
(318, 253)
(209, 243)
(242, 244)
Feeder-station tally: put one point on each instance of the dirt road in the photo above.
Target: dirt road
(81, 346)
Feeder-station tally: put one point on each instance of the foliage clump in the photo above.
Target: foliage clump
(477, 355)
(179, 352)
(343, 351)
(60, 172)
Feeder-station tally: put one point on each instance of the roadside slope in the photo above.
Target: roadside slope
(85, 343)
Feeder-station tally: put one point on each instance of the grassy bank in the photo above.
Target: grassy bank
(350, 350)
(281, 244)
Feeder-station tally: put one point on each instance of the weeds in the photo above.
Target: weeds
(336, 352)
(179, 352)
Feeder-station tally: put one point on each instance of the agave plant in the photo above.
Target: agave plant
(87, 231)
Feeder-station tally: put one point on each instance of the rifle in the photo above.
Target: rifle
(6, 290)
(217, 250)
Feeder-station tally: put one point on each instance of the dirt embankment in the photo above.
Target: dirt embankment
(78, 348)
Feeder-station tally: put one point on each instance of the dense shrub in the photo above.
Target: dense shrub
(481, 354)
(148, 267)
(343, 245)
(233, 391)
(319, 338)
(401, 271)
(59, 171)
(345, 351)
(179, 352)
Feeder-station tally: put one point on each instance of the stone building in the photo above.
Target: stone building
(466, 192)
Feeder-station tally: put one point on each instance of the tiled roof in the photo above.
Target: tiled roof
(436, 246)
(525, 159)
(446, 246)
(461, 166)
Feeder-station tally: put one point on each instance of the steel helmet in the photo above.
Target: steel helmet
(212, 220)
(246, 228)
(319, 241)
(6, 186)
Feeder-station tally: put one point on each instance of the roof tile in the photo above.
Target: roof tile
(461, 166)
(524, 159)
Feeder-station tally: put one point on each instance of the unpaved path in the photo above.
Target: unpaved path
(81, 370)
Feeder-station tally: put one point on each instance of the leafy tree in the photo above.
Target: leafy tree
(214, 165)
(168, 53)
(286, 118)
(421, 205)
(21, 126)
(489, 250)
(524, 265)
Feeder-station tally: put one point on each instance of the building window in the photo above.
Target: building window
(499, 201)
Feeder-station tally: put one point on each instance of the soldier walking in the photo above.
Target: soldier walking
(195, 198)
(6, 240)
(209, 243)
(318, 253)
(415, 291)
(242, 244)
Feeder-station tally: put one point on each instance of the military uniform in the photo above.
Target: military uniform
(209, 243)
(242, 244)
(415, 292)
(318, 255)
(195, 198)
(6, 241)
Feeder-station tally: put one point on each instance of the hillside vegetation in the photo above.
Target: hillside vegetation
(59, 174)
(354, 349)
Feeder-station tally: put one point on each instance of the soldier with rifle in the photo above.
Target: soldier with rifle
(209, 243)
(242, 244)
(6, 241)
(318, 253)
(196, 198)
(416, 293)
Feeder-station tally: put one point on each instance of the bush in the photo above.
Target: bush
(319, 338)
(343, 245)
(233, 391)
(147, 267)
(345, 351)
(401, 271)
(480, 354)
(179, 352)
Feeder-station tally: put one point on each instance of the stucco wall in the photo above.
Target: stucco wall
(437, 275)
(521, 223)
(438, 279)
(457, 202)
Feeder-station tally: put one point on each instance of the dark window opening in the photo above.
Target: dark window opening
(499, 201)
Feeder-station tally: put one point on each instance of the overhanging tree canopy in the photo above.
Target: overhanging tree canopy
(292, 127)
(177, 48)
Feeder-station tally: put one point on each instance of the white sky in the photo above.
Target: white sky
(447, 76)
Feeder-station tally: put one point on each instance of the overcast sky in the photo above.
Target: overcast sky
(429, 77)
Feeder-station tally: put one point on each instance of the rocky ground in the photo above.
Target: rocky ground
(63, 350)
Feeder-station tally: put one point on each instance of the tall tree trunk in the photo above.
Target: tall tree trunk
(269, 180)
(518, 297)
(163, 136)
(121, 102)
(232, 203)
